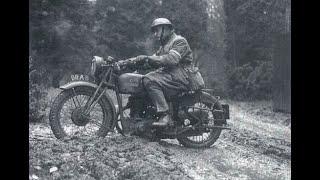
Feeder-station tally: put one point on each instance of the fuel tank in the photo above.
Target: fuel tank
(130, 83)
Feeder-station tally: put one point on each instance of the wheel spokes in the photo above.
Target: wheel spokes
(95, 118)
(205, 135)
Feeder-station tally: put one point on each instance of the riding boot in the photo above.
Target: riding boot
(164, 120)
(156, 95)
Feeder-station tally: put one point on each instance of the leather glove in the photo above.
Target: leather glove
(141, 58)
(154, 63)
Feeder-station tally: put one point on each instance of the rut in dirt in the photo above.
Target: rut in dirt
(109, 158)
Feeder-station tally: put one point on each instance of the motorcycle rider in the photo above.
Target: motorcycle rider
(171, 60)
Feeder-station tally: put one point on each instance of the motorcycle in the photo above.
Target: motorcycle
(86, 108)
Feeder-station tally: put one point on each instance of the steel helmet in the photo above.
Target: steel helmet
(161, 21)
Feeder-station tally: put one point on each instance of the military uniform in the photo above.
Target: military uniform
(170, 78)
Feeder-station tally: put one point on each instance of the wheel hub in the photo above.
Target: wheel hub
(78, 118)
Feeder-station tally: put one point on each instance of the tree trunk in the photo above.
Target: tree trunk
(282, 73)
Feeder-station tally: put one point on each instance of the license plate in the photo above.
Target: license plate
(79, 77)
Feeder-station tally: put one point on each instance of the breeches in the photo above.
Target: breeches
(159, 86)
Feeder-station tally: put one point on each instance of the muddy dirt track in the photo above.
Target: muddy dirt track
(257, 147)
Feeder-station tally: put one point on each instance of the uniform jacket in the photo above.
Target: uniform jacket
(175, 56)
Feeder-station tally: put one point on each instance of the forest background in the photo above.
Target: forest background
(241, 46)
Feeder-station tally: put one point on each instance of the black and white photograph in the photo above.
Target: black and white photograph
(159, 89)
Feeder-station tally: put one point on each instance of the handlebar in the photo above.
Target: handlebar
(110, 61)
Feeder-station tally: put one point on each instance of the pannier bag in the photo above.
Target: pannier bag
(196, 81)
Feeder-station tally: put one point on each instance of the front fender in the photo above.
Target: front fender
(75, 84)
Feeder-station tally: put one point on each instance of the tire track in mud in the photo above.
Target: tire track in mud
(227, 160)
(253, 149)
(274, 147)
(118, 157)
(269, 139)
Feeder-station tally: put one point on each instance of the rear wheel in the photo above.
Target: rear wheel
(67, 119)
(204, 139)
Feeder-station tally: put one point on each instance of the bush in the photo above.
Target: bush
(237, 81)
(218, 88)
(37, 95)
(249, 82)
(259, 83)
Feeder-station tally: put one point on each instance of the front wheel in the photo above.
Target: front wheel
(66, 116)
(204, 139)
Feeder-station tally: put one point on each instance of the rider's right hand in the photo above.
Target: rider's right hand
(141, 58)
(132, 62)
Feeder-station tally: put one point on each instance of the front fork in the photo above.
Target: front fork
(119, 100)
(93, 100)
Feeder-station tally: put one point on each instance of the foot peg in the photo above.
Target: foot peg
(164, 120)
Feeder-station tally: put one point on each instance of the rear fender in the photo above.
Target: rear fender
(190, 99)
(76, 84)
